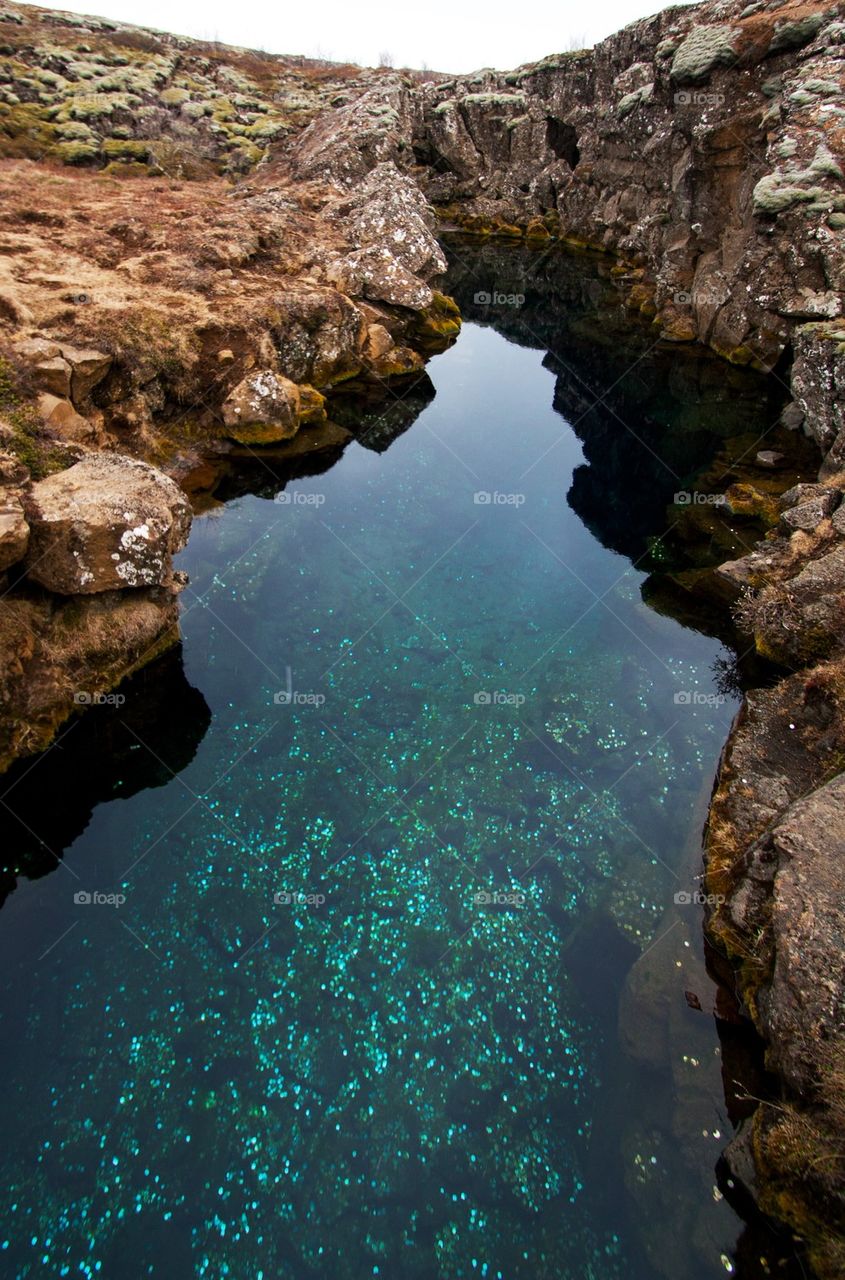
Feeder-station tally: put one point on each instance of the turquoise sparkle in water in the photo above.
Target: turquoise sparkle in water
(346, 1022)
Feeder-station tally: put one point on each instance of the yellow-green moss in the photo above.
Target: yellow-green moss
(27, 444)
(125, 149)
(77, 152)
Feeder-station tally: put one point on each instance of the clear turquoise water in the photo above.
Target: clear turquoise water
(479, 798)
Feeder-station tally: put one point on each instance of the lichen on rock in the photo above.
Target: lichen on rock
(703, 50)
(105, 523)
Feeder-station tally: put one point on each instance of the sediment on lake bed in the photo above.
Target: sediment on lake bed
(260, 232)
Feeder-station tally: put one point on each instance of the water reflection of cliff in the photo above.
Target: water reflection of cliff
(649, 413)
(47, 802)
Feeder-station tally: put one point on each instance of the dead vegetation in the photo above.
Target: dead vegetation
(802, 1149)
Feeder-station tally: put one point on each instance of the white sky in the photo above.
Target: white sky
(445, 35)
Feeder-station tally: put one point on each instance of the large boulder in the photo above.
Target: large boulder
(106, 523)
(343, 144)
(388, 223)
(262, 409)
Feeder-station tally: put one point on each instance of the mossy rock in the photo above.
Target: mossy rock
(740, 355)
(704, 49)
(438, 324)
(174, 97)
(514, 101)
(747, 502)
(312, 404)
(24, 132)
(95, 106)
(128, 169)
(794, 35)
(75, 131)
(197, 110)
(126, 149)
(773, 194)
(266, 130)
(77, 152)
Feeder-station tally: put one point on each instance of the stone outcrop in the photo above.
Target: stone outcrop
(89, 589)
(60, 655)
(106, 523)
(701, 146)
(390, 225)
(775, 862)
(801, 861)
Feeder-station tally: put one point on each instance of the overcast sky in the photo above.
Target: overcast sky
(445, 35)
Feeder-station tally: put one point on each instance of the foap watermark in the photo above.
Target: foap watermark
(94, 898)
(300, 499)
(692, 498)
(692, 698)
(83, 698)
(497, 298)
(290, 697)
(695, 898)
(484, 498)
(698, 98)
(498, 698)
(499, 898)
(295, 898)
(695, 298)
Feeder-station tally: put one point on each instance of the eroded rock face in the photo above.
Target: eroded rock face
(106, 523)
(802, 1004)
(62, 370)
(344, 144)
(43, 679)
(695, 144)
(387, 209)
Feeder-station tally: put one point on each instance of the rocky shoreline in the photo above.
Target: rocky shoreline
(189, 320)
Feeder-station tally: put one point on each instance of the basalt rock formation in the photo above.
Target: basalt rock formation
(242, 236)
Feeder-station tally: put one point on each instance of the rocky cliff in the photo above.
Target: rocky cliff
(242, 235)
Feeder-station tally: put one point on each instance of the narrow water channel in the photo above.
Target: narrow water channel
(404, 830)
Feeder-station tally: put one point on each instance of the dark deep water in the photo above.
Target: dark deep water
(392, 831)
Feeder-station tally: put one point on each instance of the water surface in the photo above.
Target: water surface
(357, 1014)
